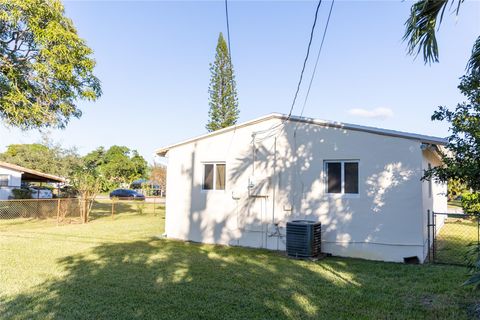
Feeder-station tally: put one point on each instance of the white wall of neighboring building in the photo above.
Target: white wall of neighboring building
(434, 197)
(14, 181)
(385, 221)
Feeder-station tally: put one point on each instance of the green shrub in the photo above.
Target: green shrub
(21, 194)
(68, 192)
(471, 203)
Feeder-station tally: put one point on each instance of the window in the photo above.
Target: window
(351, 177)
(342, 177)
(220, 176)
(4, 180)
(214, 176)
(334, 177)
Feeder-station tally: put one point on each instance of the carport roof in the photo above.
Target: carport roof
(32, 175)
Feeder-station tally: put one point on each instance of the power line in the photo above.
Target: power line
(301, 74)
(296, 170)
(318, 58)
(306, 58)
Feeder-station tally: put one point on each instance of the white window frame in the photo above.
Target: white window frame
(342, 178)
(8, 180)
(214, 163)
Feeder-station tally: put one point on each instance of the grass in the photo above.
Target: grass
(453, 240)
(100, 209)
(120, 270)
(455, 204)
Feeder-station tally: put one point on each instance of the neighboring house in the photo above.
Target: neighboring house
(240, 185)
(12, 177)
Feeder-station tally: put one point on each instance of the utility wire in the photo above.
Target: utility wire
(306, 59)
(301, 74)
(318, 58)
(296, 173)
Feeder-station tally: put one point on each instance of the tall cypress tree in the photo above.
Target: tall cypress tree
(223, 93)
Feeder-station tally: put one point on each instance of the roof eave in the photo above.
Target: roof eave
(24, 170)
(386, 132)
(162, 152)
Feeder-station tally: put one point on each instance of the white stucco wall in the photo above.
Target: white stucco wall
(434, 198)
(14, 181)
(385, 221)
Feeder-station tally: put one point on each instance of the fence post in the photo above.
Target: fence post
(113, 208)
(58, 211)
(428, 236)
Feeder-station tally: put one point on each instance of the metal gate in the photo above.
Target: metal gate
(452, 237)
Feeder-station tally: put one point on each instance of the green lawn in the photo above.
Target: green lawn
(119, 269)
(100, 209)
(453, 240)
(455, 204)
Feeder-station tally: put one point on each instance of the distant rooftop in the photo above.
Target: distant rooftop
(32, 175)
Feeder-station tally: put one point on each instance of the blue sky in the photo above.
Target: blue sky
(153, 60)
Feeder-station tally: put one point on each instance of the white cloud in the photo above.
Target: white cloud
(377, 113)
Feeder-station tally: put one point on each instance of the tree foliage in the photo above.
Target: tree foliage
(116, 165)
(422, 25)
(46, 157)
(455, 189)
(158, 174)
(223, 102)
(45, 67)
(87, 184)
(462, 161)
(471, 203)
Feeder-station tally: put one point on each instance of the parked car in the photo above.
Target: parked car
(126, 194)
(41, 193)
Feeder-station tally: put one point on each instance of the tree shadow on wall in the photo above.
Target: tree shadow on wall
(291, 163)
(287, 162)
(199, 229)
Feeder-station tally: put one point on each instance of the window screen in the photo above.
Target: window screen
(334, 177)
(351, 177)
(3, 180)
(208, 177)
(220, 177)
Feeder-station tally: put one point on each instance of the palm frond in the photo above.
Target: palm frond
(474, 61)
(425, 18)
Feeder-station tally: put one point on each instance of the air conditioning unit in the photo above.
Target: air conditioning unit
(303, 238)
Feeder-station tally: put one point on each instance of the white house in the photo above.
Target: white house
(12, 176)
(240, 185)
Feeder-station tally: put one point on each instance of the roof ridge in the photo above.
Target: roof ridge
(348, 126)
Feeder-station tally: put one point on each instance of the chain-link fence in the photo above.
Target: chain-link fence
(452, 237)
(114, 207)
(30, 213)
